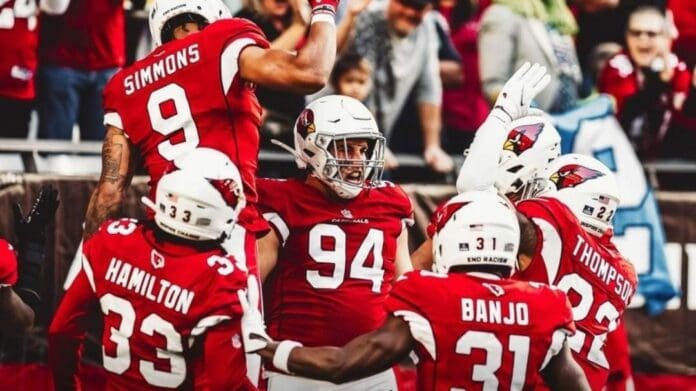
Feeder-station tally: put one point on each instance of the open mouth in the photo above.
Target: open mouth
(354, 177)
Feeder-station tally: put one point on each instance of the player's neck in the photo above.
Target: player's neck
(316, 183)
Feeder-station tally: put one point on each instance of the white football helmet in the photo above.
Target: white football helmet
(321, 134)
(587, 187)
(201, 199)
(481, 230)
(531, 144)
(163, 11)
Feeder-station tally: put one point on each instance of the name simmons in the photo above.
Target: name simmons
(161, 68)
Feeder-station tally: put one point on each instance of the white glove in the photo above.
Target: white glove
(519, 91)
(253, 327)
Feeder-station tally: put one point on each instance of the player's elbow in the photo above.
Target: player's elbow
(313, 80)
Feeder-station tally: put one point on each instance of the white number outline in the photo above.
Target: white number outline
(182, 120)
(372, 244)
(153, 323)
(581, 310)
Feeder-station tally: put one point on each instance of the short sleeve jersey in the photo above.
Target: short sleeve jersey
(188, 94)
(478, 333)
(336, 263)
(598, 280)
(157, 298)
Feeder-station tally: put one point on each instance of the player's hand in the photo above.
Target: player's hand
(438, 159)
(519, 91)
(32, 228)
(253, 327)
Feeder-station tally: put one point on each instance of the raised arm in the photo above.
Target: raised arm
(365, 355)
(305, 72)
(116, 175)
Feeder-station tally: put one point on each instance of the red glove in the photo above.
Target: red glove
(324, 6)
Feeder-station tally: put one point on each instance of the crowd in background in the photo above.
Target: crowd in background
(428, 69)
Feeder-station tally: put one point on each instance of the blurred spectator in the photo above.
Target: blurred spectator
(684, 12)
(352, 76)
(463, 105)
(602, 24)
(516, 31)
(79, 51)
(648, 82)
(400, 41)
(19, 39)
(284, 25)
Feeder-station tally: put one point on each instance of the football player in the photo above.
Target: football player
(471, 326)
(558, 232)
(339, 237)
(196, 89)
(19, 291)
(166, 290)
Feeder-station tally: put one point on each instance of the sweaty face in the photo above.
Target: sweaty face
(404, 16)
(355, 83)
(351, 155)
(645, 36)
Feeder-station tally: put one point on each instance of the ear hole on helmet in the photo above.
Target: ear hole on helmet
(514, 169)
(308, 153)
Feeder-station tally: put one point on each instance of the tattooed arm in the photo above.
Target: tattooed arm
(116, 175)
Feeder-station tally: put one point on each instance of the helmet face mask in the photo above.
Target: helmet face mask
(337, 138)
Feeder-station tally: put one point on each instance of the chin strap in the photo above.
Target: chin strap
(298, 159)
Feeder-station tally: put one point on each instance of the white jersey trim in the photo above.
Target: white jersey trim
(421, 330)
(204, 324)
(113, 119)
(279, 223)
(557, 339)
(88, 272)
(229, 61)
(551, 248)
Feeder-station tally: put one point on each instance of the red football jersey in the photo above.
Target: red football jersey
(598, 280)
(8, 264)
(478, 333)
(336, 263)
(187, 94)
(19, 39)
(159, 300)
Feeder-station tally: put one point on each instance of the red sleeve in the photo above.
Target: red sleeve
(67, 332)
(404, 204)
(682, 78)
(8, 264)
(565, 311)
(223, 362)
(405, 293)
(271, 205)
(618, 80)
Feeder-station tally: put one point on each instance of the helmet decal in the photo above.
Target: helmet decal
(443, 214)
(305, 123)
(572, 175)
(522, 137)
